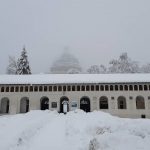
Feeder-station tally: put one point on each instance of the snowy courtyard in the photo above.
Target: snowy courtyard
(49, 130)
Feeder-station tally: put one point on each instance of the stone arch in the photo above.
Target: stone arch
(140, 102)
(122, 102)
(85, 104)
(64, 99)
(103, 102)
(5, 105)
(44, 103)
(24, 105)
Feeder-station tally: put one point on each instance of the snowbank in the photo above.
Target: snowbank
(78, 130)
(73, 78)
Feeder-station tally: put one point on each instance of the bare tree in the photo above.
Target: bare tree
(12, 66)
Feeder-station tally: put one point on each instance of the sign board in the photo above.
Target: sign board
(74, 105)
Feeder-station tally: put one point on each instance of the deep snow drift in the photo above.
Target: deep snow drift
(78, 130)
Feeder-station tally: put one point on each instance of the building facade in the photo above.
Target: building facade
(119, 95)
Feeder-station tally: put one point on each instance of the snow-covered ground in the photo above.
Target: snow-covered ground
(47, 130)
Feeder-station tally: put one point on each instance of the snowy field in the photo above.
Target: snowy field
(46, 130)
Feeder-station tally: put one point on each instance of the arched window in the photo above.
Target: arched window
(140, 103)
(126, 87)
(111, 87)
(122, 102)
(5, 105)
(87, 88)
(121, 87)
(103, 102)
(102, 88)
(24, 105)
(116, 87)
(131, 87)
(106, 88)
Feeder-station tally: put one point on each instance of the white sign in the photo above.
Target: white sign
(74, 105)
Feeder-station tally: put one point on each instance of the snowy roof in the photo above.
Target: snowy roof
(73, 78)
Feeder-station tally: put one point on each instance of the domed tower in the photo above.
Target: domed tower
(67, 63)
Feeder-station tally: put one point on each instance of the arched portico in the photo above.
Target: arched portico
(44, 103)
(5, 105)
(24, 105)
(85, 104)
(62, 100)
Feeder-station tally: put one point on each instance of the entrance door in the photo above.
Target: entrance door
(44, 103)
(64, 105)
(85, 104)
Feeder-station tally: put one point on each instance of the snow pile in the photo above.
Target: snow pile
(78, 130)
(73, 78)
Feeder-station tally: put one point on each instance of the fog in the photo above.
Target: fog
(94, 30)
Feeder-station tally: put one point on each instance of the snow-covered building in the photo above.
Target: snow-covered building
(124, 95)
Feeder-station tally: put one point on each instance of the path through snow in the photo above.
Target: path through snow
(48, 130)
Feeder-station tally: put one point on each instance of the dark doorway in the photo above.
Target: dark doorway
(44, 103)
(85, 104)
(5, 105)
(62, 100)
(24, 105)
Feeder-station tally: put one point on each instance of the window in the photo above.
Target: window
(7, 89)
(102, 88)
(87, 88)
(116, 87)
(54, 88)
(140, 87)
(69, 88)
(35, 88)
(121, 87)
(103, 104)
(17, 89)
(131, 87)
(145, 88)
(83, 88)
(26, 88)
(40, 88)
(92, 87)
(106, 87)
(45, 88)
(50, 88)
(140, 103)
(97, 87)
(73, 88)
(54, 104)
(111, 88)
(135, 87)
(2, 89)
(31, 88)
(126, 87)
(59, 88)
(78, 88)
(64, 88)
(12, 89)
(21, 88)
(148, 97)
(122, 102)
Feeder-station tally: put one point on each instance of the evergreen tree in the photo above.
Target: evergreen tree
(23, 63)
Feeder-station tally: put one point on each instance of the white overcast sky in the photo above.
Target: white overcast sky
(94, 30)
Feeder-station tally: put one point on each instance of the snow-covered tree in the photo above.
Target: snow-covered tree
(23, 63)
(12, 66)
(66, 64)
(95, 69)
(123, 65)
(145, 68)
